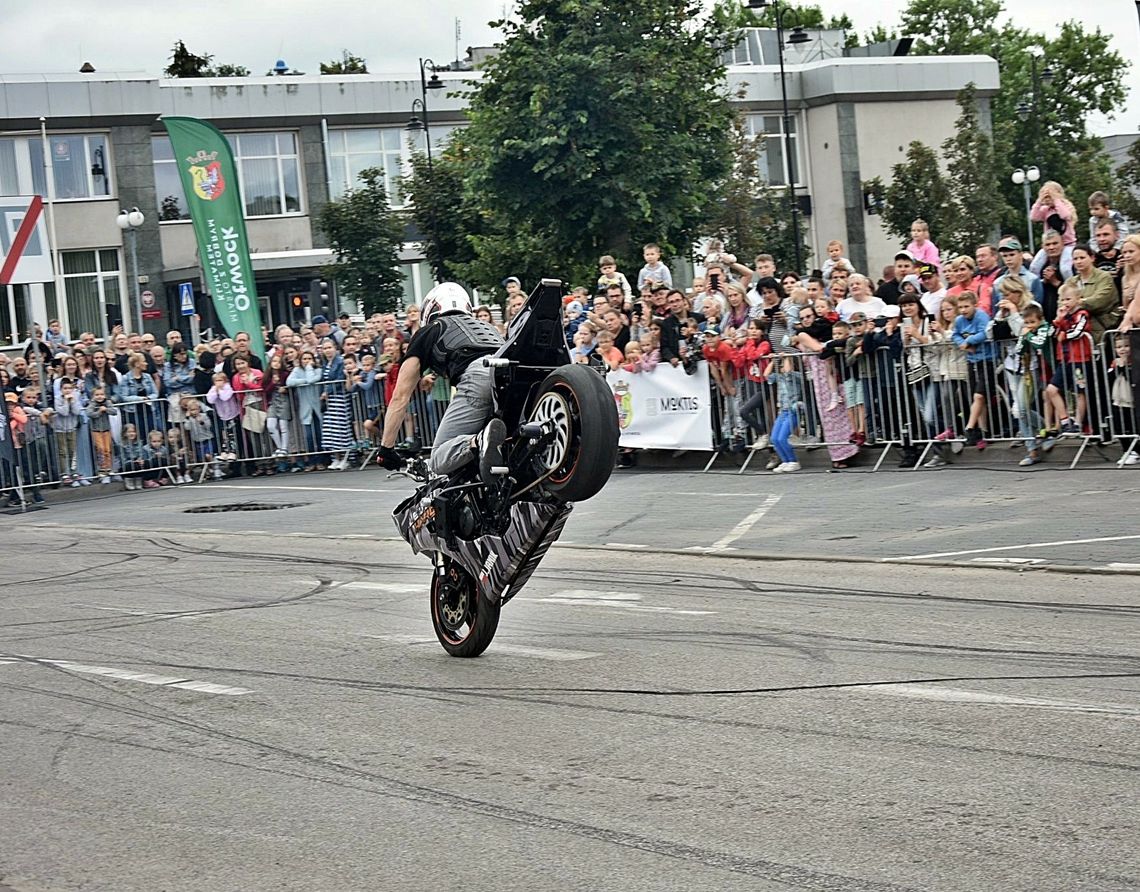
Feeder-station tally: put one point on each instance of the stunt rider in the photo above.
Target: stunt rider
(450, 342)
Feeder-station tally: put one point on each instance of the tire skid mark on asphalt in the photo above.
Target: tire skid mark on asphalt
(505, 648)
(324, 771)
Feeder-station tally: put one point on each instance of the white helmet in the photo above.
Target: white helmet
(447, 297)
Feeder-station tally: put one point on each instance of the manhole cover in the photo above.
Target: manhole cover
(243, 506)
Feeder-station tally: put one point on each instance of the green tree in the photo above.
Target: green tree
(880, 34)
(346, 64)
(440, 211)
(184, 63)
(227, 69)
(918, 190)
(751, 216)
(975, 209)
(599, 126)
(1088, 77)
(365, 235)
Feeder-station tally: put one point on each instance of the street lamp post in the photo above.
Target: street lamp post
(130, 222)
(798, 38)
(1023, 178)
(426, 83)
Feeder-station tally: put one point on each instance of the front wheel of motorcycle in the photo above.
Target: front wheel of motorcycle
(576, 401)
(464, 620)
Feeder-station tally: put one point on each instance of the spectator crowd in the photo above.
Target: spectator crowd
(937, 355)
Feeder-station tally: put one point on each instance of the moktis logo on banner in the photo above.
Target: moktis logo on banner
(206, 174)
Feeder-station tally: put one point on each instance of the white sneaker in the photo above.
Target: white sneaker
(186, 478)
(1129, 458)
(786, 467)
(105, 480)
(83, 481)
(75, 484)
(217, 475)
(762, 442)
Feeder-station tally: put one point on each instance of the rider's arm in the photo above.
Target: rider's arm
(406, 383)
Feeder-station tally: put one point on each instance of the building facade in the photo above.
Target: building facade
(300, 141)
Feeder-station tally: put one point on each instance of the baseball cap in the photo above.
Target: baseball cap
(891, 312)
(1009, 244)
(857, 317)
(507, 281)
(319, 320)
(926, 270)
(575, 306)
(914, 280)
(904, 255)
(712, 331)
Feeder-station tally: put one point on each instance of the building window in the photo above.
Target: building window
(352, 151)
(91, 279)
(773, 167)
(80, 165)
(269, 174)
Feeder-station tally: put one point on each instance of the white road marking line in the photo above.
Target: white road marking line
(1116, 565)
(301, 488)
(745, 525)
(597, 596)
(941, 554)
(395, 588)
(623, 545)
(501, 647)
(1008, 560)
(952, 695)
(167, 681)
(614, 600)
(127, 610)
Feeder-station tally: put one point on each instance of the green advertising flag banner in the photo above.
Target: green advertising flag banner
(209, 179)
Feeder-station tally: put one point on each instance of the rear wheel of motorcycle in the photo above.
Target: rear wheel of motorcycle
(580, 406)
(464, 620)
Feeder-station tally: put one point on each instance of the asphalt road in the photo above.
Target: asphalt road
(188, 710)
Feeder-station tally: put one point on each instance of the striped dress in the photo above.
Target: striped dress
(336, 430)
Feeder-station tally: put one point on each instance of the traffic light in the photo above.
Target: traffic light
(320, 301)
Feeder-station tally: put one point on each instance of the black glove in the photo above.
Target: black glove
(391, 459)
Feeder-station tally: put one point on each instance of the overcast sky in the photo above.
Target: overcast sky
(136, 35)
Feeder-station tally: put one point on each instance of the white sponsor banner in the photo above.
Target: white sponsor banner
(663, 409)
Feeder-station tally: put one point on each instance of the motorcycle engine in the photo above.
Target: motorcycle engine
(465, 520)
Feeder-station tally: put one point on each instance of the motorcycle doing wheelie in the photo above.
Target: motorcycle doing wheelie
(486, 539)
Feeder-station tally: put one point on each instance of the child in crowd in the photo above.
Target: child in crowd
(606, 356)
(37, 459)
(133, 452)
(969, 336)
(950, 374)
(654, 270)
(789, 395)
(18, 424)
(834, 256)
(200, 433)
(921, 248)
(863, 374)
(226, 411)
(156, 458)
(835, 353)
(179, 454)
(279, 408)
(753, 366)
(583, 343)
(1100, 212)
(574, 316)
(607, 266)
(721, 356)
(99, 413)
(1074, 361)
(638, 359)
(1033, 354)
(55, 337)
(1120, 392)
(64, 423)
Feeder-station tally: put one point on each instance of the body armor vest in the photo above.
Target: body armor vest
(464, 340)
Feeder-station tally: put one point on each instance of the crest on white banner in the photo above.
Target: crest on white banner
(663, 409)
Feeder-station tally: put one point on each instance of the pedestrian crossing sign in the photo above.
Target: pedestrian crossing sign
(186, 298)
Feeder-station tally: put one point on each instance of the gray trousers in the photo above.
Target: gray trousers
(467, 414)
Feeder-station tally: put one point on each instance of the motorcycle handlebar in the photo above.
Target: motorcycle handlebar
(493, 362)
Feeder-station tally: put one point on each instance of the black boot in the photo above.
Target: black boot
(489, 446)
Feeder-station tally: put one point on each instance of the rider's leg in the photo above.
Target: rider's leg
(467, 414)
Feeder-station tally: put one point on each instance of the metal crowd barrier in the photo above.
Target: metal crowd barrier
(919, 401)
(304, 431)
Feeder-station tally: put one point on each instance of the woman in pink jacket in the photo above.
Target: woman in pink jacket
(1056, 211)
